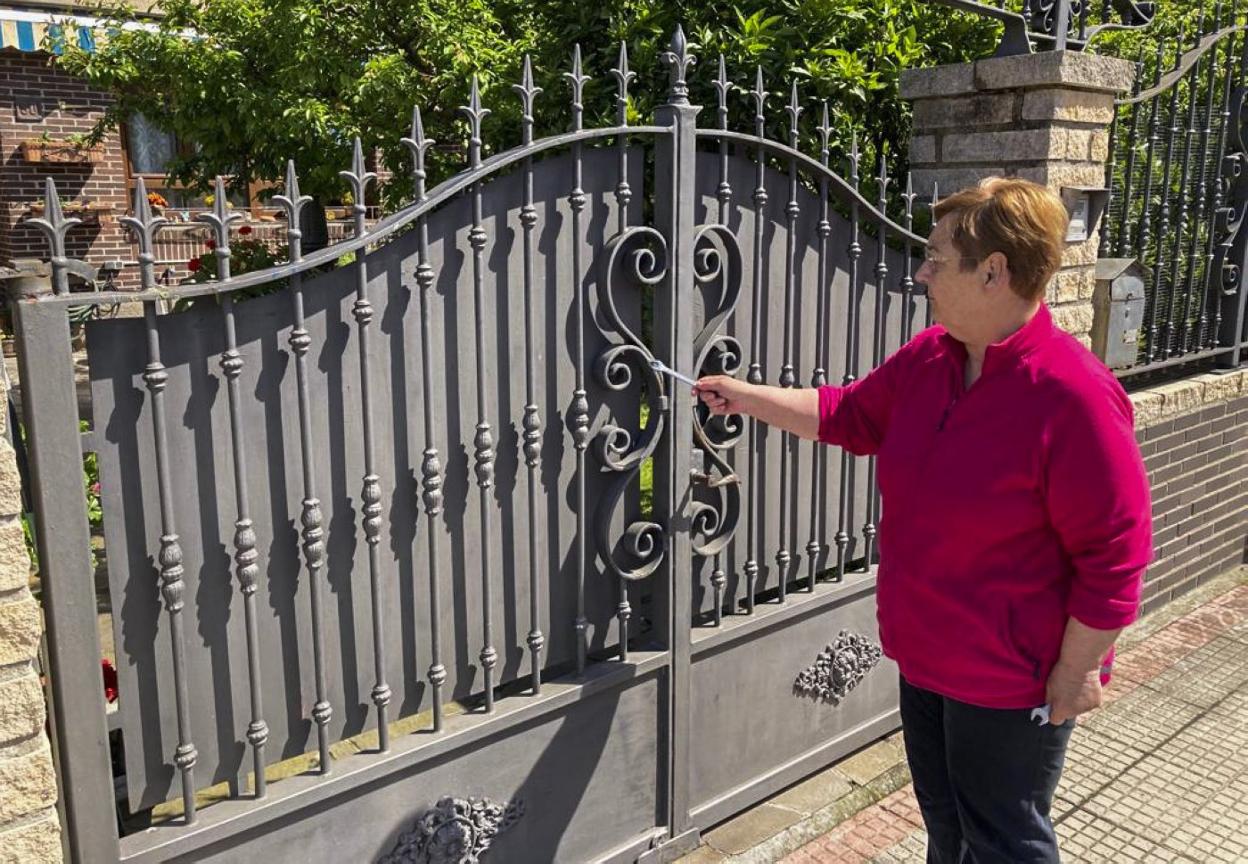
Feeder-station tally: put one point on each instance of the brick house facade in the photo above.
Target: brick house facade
(39, 101)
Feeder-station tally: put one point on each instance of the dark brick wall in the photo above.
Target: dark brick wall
(68, 106)
(1198, 466)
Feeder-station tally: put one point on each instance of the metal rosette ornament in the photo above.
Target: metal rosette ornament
(717, 275)
(637, 257)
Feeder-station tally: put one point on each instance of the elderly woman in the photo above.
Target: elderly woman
(1016, 521)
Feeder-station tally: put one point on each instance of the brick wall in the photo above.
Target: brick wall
(29, 827)
(67, 106)
(1194, 438)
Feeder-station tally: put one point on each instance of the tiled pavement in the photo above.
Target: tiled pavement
(1158, 774)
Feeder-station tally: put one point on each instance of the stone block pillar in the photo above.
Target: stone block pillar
(1042, 117)
(29, 827)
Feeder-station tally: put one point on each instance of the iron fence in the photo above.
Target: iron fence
(1176, 173)
(437, 525)
(1056, 25)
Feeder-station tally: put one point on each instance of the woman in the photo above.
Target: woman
(1016, 520)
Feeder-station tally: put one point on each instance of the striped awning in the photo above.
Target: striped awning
(23, 30)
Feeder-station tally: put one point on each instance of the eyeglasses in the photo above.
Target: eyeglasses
(937, 260)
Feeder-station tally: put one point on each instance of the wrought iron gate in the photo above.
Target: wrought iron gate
(549, 665)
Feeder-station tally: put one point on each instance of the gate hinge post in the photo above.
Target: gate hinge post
(667, 849)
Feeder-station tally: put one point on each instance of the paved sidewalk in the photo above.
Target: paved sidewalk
(1158, 774)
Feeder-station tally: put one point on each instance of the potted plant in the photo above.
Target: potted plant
(71, 150)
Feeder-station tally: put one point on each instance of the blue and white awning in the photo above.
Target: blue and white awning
(52, 31)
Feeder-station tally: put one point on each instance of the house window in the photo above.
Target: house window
(149, 148)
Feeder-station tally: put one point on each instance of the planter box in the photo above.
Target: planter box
(61, 152)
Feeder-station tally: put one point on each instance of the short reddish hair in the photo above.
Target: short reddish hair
(1024, 221)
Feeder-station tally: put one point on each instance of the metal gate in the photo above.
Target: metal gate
(465, 616)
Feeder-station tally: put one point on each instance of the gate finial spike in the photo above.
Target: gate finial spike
(417, 144)
(623, 77)
(53, 223)
(760, 101)
(527, 92)
(678, 59)
(475, 114)
(825, 134)
(883, 177)
(794, 111)
(577, 80)
(853, 159)
(358, 178)
(291, 200)
(721, 92)
(142, 222)
(220, 216)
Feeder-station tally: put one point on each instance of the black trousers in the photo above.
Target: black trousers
(984, 779)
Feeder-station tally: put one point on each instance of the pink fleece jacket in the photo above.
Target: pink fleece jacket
(1007, 507)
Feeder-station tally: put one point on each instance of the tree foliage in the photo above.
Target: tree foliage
(254, 82)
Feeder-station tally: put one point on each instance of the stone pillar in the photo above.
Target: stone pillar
(29, 827)
(1042, 117)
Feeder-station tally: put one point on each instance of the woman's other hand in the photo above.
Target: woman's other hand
(1071, 692)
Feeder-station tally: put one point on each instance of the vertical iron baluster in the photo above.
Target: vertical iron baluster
(788, 378)
(1152, 350)
(55, 226)
(755, 373)
(579, 413)
(1170, 344)
(877, 357)
(1235, 334)
(819, 377)
(623, 194)
(1144, 237)
(483, 442)
(1128, 174)
(907, 276)
(145, 225)
(430, 466)
(1203, 219)
(532, 418)
(245, 554)
(359, 178)
(927, 312)
(842, 537)
(1110, 170)
(1206, 335)
(311, 517)
(723, 194)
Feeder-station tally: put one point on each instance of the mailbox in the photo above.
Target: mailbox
(1118, 304)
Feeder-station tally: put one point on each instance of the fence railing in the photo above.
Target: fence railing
(1057, 25)
(1178, 178)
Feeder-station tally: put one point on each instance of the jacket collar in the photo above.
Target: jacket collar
(1011, 350)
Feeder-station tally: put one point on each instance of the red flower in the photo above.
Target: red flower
(95, 488)
(193, 265)
(211, 244)
(245, 230)
(109, 674)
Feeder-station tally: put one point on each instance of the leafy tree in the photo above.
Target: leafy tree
(254, 82)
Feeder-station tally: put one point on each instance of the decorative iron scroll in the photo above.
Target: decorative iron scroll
(638, 256)
(839, 668)
(454, 831)
(717, 262)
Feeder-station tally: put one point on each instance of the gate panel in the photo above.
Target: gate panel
(200, 448)
(752, 717)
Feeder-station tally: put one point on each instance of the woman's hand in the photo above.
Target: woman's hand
(1071, 692)
(724, 395)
